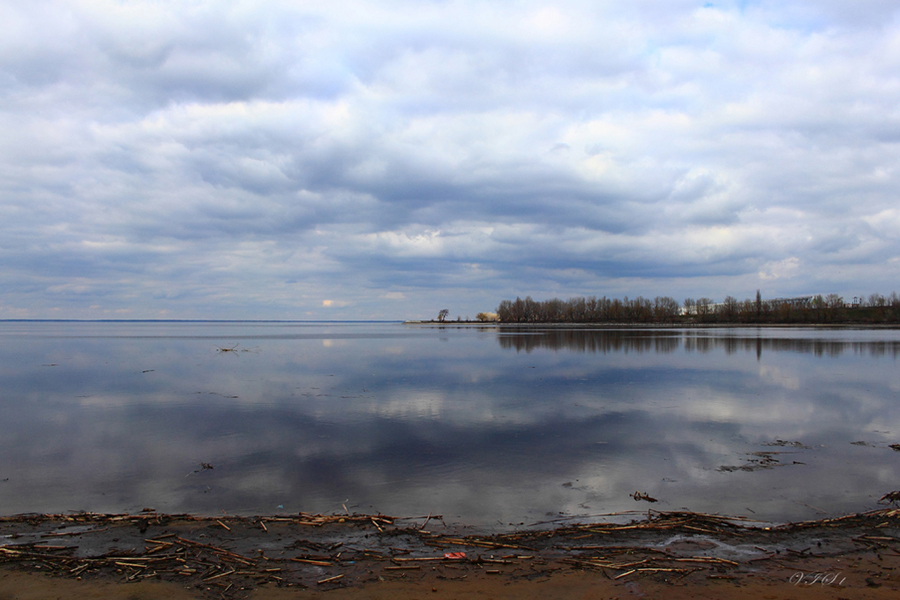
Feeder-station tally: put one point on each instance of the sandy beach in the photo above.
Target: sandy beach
(671, 555)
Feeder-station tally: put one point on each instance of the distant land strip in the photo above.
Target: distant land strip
(814, 309)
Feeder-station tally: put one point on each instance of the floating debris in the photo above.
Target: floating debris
(890, 497)
(758, 461)
(203, 467)
(638, 496)
(783, 443)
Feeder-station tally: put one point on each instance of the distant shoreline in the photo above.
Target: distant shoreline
(641, 325)
(199, 321)
(495, 324)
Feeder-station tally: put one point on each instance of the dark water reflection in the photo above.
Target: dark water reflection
(705, 340)
(487, 426)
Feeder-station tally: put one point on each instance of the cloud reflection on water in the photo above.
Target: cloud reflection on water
(395, 420)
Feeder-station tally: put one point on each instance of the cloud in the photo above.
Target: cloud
(335, 303)
(209, 159)
(788, 267)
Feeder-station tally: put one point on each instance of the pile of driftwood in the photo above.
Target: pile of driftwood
(625, 561)
(149, 516)
(878, 518)
(377, 546)
(170, 556)
(165, 555)
(620, 561)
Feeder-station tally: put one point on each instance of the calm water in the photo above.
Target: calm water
(491, 427)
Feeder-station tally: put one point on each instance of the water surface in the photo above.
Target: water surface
(492, 427)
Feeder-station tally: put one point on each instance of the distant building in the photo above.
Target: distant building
(798, 302)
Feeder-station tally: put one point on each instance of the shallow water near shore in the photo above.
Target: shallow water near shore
(493, 427)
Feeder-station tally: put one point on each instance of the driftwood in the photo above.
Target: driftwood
(224, 571)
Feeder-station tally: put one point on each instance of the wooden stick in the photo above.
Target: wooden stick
(707, 559)
(65, 533)
(128, 564)
(220, 575)
(309, 561)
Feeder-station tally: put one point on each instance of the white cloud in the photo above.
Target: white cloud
(786, 268)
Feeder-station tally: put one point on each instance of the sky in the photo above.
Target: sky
(386, 159)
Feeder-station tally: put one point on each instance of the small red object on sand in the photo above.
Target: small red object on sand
(455, 555)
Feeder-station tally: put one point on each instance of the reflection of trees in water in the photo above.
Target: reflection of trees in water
(609, 341)
(590, 341)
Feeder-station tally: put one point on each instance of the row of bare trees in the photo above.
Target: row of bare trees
(830, 308)
(589, 310)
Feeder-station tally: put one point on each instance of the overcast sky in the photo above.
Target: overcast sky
(387, 159)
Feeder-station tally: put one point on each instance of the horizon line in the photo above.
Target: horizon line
(202, 320)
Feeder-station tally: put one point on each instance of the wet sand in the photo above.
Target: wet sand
(668, 555)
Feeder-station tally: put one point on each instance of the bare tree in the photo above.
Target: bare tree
(443, 315)
(834, 301)
(665, 308)
(728, 309)
(704, 306)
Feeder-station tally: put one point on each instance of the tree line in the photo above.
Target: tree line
(830, 308)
